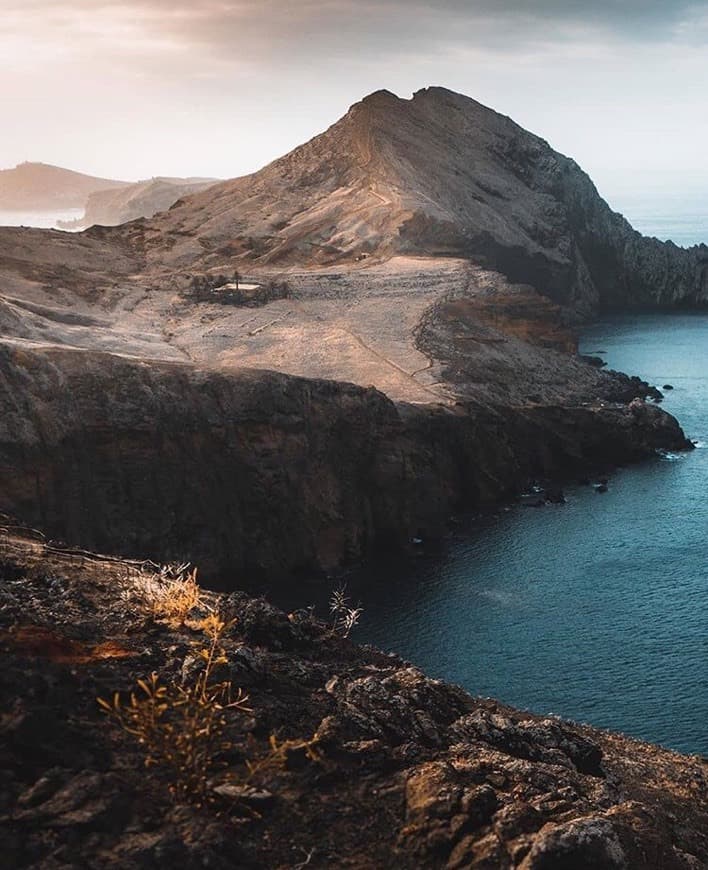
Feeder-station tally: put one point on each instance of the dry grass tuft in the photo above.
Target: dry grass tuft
(282, 754)
(169, 596)
(344, 616)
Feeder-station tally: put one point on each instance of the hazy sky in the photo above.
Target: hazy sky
(134, 88)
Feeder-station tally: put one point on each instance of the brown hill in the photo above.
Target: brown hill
(41, 187)
(438, 175)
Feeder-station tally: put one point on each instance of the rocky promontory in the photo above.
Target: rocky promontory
(421, 363)
(42, 187)
(338, 756)
(142, 199)
(437, 175)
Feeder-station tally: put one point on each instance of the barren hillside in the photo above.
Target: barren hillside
(130, 202)
(437, 175)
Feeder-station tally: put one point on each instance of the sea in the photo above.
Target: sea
(42, 219)
(595, 610)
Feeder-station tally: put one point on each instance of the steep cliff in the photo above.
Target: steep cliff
(256, 475)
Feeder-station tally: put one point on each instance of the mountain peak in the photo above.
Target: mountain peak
(382, 96)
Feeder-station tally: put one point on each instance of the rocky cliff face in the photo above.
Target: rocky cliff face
(256, 475)
(378, 766)
(439, 174)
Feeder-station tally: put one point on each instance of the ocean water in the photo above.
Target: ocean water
(680, 216)
(685, 226)
(596, 610)
(41, 219)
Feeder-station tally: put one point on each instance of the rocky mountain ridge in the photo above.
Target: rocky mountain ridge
(437, 175)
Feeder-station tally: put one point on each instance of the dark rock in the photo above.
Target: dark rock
(89, 799)
(667, 387)
(548, 740)
(259, 622)
(596, 361)
(587, 844)
(555, 495)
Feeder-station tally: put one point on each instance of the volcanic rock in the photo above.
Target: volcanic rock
(408, 772)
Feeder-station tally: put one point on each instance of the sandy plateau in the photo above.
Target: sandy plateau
(361, 324)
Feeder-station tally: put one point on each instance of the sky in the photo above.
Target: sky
(135, 88)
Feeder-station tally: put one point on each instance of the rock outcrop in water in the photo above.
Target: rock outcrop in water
(385, 767)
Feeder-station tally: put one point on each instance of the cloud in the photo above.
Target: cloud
(209, 32)
(231, 83)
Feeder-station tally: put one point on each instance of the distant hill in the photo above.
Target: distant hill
(129, 202)
(42, 187)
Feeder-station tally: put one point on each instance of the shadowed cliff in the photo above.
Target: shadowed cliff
(258, 475)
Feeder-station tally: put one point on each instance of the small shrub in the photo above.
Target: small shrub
(182, 728)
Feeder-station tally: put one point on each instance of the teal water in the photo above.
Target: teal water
(677, 216)
(596, 610)
(685, 228)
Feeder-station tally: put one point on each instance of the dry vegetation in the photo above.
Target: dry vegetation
(169, 596)
(344, 616)
(183, 728)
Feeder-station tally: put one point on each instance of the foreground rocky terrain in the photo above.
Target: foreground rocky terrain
(340, 756)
